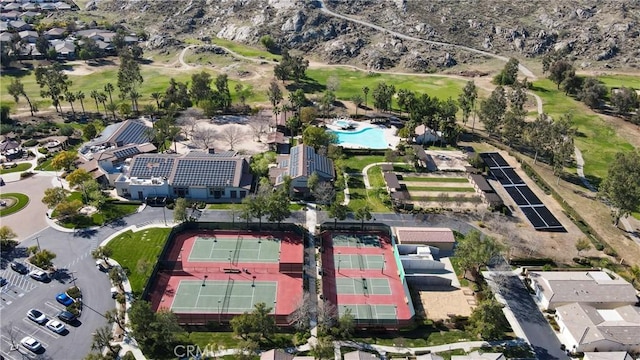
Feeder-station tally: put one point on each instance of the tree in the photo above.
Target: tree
(64, 160)
(622, 184)
(537, 134)
(624, 100)
(53, 82)
(297, 100)
(582, 245)
(157, 97)
(635, 274)
(256, 325)
(129, 77)
(492, 110)
(203, 137)
(300, 317)
(243, 92)
(317, 137)
(561, 143)
(561, 70)
(509, 74)
(102, 338)
(323, 192)
(323, 349)
(80, 96)
(363, 214)
(474, 251)
(180, 210)
(593, 92)
(43, 258)
(467, 101)
(155, 332)
(487, 320)
(42, 45)
(71, 97)
(308, 114)
(232, 135)
(346, 326)
(268, 42)
(113, 316)
(16, 89)
(95, 95)
(382, 96)
(6, 238)
(101, 252)
(290, 67)
(200, 86)
(278, 205)
(222, 85)
(513, 126)
(260, 163)
(67, 209)
(274, 93)
(338, 212)
(54, 196)
(357, 100)
(365, 91)
(108, 88)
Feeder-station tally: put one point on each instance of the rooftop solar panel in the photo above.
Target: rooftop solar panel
(516, 196)
(548, 217)
(146, 167)
(499, 160)
(514, 178)
(134, 133)
(488, 160)
(534, 218)
(126, 153)
(212, 172)
(529, 195)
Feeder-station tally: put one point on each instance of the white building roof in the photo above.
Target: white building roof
(586, 324)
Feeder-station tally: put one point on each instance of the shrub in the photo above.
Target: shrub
(75, 308)
(66, 130)
(26, 174)
(74, 292)
(599, 246)
(121, 298)
(30, 143)
(42, 150)
(610, 251)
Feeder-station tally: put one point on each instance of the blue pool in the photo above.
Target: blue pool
(368, 138)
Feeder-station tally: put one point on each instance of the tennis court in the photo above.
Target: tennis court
(362, 286)
(370, 313)
(355, 240)
(223, 296)
(359, 261)
(235, 250)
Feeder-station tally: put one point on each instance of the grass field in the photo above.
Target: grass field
(352, 81)
(22, 201)
(19, 168)
(423, 335)
(129, 248)
(375, 177)
(596, 139)
(360, 196)
(616, 81)
(435, 179)
(245, 50)
(441, 188)
(355, 164)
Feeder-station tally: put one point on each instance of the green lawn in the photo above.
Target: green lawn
(18, 168)
(455, 262)
(224, 206)
(355, 164)
(352, 81)
(106, 214)
(22, 201)
(226, 339)
(435, 179)
(375, 177)
(245, 50)
(422, 335)
(360, 196)
(597, 140)
(129, 248)
(438, 188)
(403, 168)
(616, 81)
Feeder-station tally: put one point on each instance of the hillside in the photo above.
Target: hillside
(597, 35)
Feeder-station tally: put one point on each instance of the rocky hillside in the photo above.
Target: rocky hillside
(597, 34)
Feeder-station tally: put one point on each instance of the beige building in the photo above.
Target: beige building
(441, 238)
(614, 355)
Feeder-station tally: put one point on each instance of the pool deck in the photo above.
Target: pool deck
(389, 134)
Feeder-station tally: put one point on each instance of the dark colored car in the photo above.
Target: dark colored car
(19, 268)
(3, 281)
(66, 317)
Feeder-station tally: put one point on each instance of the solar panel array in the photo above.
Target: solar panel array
(319, 163)
(146, 167)
(294, 169)
(134, 133)
(205, 172)
(532, 207)
(126, 152)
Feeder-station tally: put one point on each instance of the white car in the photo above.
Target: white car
(39, 275)
(55, 326)
(37, 316)
(31, 343)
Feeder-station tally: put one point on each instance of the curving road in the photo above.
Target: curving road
(323, 8)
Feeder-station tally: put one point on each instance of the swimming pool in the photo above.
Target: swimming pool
(368, 138)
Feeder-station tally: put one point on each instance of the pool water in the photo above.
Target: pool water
(368, 138)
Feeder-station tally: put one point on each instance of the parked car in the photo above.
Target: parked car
(19, 268)
(36, 316)
(64, 299)
(39, 275)
(55, 326)
(67, 317)
(31, 343)
(3, 281)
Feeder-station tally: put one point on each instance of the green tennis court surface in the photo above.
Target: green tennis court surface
(355, 240)
(235, 250)
(358, 261)
(368, 313)
(362, 286)
(222, 296)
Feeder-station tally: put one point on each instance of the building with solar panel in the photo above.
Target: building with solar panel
(201, 176)
(129, 132)
(106, 166)
(299, 164)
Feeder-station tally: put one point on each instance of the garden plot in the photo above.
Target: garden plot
(444, 190)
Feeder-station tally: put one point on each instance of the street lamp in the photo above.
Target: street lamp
(204, 280)
(219, 312)
(384, 262)
(253, 281)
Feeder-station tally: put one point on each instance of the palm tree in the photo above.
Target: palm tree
(172, 133)
(365, 91)
(149, 109)
(134, 95)
(111, 108)
(157, 96)
(108, 87)
(71, 97)
(276, 112)
(102, 97)
(80, 96)
(363, 213)
(95, 95)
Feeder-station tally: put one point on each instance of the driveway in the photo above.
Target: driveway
(529, 318)
(31, 218)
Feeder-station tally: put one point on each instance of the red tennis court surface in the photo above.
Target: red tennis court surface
(374, 263)
(287, 271)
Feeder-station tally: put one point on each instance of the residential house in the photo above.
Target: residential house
(612, 355)
(55, 33)
(200, 176)
(6, 37)
(19, 25)
(4, 26)
(48, 7)
(584, 328)
(594, 288)
(62, 6)
(12, 6)
(117, 135)
(441, 238)
(10, 15)
(29, 14)
(360, 355)
(278, 142)
(299, 164)
(29, 36)
(106, 166)
(476, 355)
(29, 7)
(391, 181)
(426, 136)
(278, 354)
(65, 49)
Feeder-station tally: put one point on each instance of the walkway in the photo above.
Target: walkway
(526, 72)
(365, 171)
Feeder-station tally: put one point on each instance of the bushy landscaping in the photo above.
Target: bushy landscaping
(138, 252)
(22, 201)
(17, 168)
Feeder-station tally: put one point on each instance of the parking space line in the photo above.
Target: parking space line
(56, 308)
(44, 344)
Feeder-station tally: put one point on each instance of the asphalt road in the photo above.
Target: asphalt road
(536, 328)
(73, 261)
